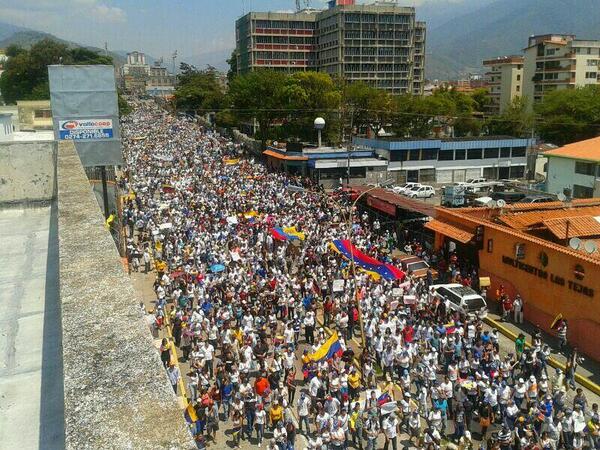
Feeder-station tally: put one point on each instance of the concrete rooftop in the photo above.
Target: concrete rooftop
(31, 386)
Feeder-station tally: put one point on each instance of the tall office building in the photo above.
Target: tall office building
(553, 62)
(381, 44)
(504, 80)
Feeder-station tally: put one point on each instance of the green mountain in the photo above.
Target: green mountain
(459, 46)
(10, 35)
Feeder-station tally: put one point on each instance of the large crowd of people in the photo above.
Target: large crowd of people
(248, 313)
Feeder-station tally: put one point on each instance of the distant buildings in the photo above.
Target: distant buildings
(550, 62)
(554, 62)
(575, 167)
(450, 160)
(139, 77)
(504, 79)
(381, 44)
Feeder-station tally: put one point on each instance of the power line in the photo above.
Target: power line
(479, 117)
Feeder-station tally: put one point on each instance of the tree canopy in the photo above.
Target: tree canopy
(26, 72)
(198, 89)
(569, 115)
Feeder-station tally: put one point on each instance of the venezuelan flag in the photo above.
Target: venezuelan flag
(286, 234)
(291, 231)
(328, 350)
(349, 251)
(190, 413)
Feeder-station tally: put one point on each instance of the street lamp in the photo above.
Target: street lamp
(319, 125)
(349, 224)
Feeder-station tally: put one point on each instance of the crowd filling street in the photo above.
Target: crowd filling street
(290, 344)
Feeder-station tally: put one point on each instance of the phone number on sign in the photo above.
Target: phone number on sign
(88, 135)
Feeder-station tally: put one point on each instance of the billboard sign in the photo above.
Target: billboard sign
(85, 129)
(85, 110)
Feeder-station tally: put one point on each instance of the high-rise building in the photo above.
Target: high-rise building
(381, 44)
(553, 62)
(504, 80)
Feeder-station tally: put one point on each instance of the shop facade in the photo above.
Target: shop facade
(552, 278)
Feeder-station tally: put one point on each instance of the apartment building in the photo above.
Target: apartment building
(553, 62)
(381, 44)
(504, 80)
(277, 41)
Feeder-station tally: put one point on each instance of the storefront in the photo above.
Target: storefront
(518, 248)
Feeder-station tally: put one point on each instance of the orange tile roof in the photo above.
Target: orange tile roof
(575, 226)
(283, 156)
(460, 213)
(523, 220)
(588, 150)
(450, 231)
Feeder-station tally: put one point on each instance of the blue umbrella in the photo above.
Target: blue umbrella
(215, 268)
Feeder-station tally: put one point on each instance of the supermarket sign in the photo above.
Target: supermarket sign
(85, 129)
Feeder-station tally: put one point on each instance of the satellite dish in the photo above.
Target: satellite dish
(575, 243)
(590, 247)
(561, 197)
(491, 204)
(501, 203)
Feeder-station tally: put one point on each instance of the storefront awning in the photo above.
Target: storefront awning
(284, 157)
(450, 231)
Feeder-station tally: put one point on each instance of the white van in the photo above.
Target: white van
(462, 299)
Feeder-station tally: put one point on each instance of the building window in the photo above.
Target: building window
(591, 75)
(518, 152)
(584, 168)
(429, 153)
(518, 77)
(518, 88)
(582, 191)
(445, 155)
(490, 173)
(517, 171)
(474, 153)
(459, 155)
(490, 153)
(505, 152)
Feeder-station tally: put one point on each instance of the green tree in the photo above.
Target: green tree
(569, 115)
(481, 97)
(233, 66)
(516, 120)
(198, 89)
(259, 95)
(366, 107)
(307, 95)
(26, 71)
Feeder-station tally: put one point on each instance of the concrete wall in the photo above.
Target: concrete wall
(27, 171)
(561, 175)
(116, 391)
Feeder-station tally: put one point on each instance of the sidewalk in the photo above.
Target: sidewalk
(588, 372)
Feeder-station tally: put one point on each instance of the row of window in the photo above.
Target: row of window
(371, 34)
(429, 154)
(294, 25)
(381, 18)
(585, 168)
(284, 40)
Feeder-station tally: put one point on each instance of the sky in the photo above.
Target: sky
(156, 27)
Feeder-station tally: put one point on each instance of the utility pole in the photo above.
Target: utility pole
(174, 57)
(105, 48)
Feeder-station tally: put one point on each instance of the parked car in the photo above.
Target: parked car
(422, 191)
(472, 182)
(405, 187)
(416, 266)
(537, 199)
(508, 196)
(462, 299)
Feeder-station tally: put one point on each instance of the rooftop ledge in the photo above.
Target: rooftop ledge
(116, 392)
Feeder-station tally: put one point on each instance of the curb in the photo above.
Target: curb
(585, 382)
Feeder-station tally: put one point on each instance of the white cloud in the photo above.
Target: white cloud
(106, 13)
